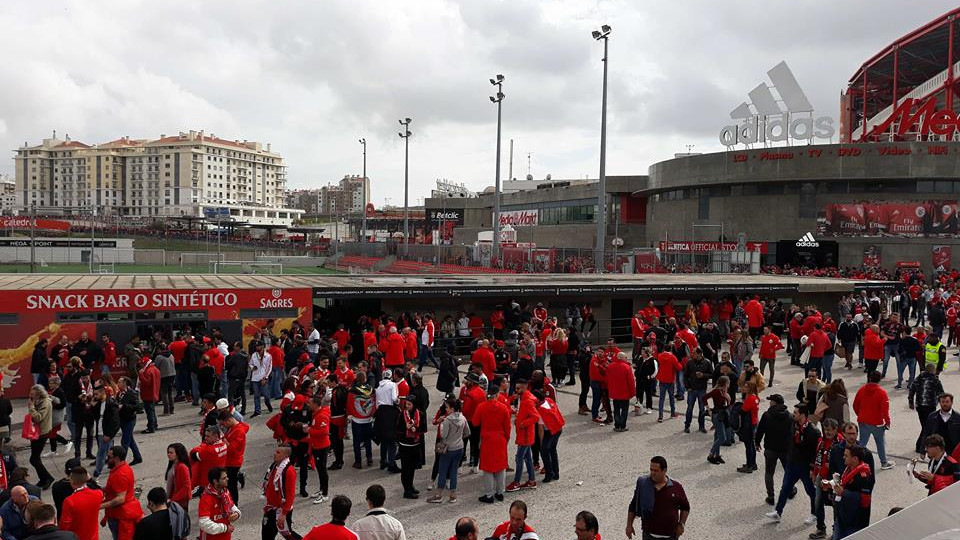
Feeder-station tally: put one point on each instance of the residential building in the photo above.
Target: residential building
(173, 176)
(344, 198)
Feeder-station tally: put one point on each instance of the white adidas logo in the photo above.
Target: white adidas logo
(807, 240)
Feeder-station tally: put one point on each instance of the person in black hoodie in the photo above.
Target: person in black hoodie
(236, 366)
(39, 362)
(802, 455)
(109, 425)
(774, 431)
(645, 372)
(338, 419)
(448, 376)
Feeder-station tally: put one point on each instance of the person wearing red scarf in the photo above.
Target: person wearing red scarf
(211, 453)
(217, 511)
(280, 491)
(821, 472)
(852, 495)
(121, 508)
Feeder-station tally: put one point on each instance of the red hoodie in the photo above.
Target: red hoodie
(236, 439)
(872, 405)
(621, 384)
(668, 367)
(872, 345)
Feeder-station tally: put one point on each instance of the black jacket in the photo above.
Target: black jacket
(39, 362)
(236, 365)
(804, 451)
(449, 376)
(128, 405)
(156, 526)
(848, 332)
(690, 374)
(110, 421)
(950, 430)
(836, 458)
(51, 532)
(775, 429)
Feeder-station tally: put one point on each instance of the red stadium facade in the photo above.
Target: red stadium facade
(906, 92)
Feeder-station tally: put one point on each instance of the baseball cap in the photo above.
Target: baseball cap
(222, 403)
(776, 398)
(71, 464)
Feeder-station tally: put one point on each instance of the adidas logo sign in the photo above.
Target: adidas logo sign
(807, 240)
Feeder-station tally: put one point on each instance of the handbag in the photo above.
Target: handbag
(441, 448)
(30, 430)
(840, 350)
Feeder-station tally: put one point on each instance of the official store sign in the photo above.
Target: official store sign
(519, 218)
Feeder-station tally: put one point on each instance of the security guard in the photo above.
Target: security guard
(934, 352)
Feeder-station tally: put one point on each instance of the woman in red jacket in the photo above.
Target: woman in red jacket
(526, 423)
(178, 475)
(622, 386)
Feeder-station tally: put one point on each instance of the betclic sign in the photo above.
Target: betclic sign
(445, 215)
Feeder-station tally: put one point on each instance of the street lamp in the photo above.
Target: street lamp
(363, 204)
(498, 99)
(602, 34)
(405, 135)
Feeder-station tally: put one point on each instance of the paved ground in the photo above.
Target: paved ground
(598, 472)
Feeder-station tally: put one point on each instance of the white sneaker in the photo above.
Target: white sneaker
(430, 486)
(48, 453)
(888, 465)
(811, 519)
(68, 448)
(473, 470)
(648, 411)
(320, 500)
(773, 515)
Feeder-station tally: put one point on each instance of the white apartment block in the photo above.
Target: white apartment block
(8, 195)
(343, 198)
(174, 176)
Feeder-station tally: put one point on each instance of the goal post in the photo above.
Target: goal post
(245, 267)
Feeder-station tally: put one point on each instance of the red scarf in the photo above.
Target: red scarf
(415, 421)
(849, 474)
(798, 434)
(223, 501)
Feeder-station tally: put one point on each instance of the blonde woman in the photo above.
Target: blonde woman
(41, 410)
(557, 345)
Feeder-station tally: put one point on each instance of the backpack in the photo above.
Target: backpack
(179, 521)
(735, 416)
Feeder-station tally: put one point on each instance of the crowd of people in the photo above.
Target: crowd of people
(328, 389)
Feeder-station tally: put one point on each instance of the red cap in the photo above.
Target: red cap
(299, 401)
(206, 339)
(145, 359)
(304, 356)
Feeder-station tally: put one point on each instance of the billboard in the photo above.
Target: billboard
(445, 215)
(942, 257)
(685, 246)
(14, 222)
(519, 218)
(889, 218)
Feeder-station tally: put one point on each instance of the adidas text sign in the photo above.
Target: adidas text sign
(807, 240)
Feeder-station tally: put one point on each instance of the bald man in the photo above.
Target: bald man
(12, 514)
(467, 528)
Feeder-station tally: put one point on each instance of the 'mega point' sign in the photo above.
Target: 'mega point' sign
(764, 120)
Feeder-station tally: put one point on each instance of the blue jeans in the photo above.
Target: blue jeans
(524, 457)
(426, 355)
(548, 451)
(680, 388)
(751, 447)
(695, 397)
(126, 439)
(827, 369)
(796, 472)
(150, 408)
(888, 351)
(223, 384)
(719, 434)
(260, 389)
(362, 438)
(447, 469)
(195, 388)
(866, 430)
(276, 383)
(597, 396)
(183, 380)
(104, 444)
(902, 365)
(666, 390)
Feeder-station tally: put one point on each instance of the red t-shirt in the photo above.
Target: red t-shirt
(205, 457)
(331, 531)
(769, 345)
(121, 481)
(81, 513)
(178, 348)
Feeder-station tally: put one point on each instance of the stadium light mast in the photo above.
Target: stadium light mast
(498, 100)
(363, 226)
(405, 135)
(601, 214)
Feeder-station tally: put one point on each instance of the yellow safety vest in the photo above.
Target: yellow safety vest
(931, 354)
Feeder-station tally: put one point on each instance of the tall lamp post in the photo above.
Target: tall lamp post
(602, 34)
(405, 135)
(498, 100)
(363, 226)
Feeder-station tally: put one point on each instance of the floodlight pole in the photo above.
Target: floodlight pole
(498, 99)
(601, 214)
(405, 135)
(363, 204)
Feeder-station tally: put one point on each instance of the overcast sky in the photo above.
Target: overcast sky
(313, 77)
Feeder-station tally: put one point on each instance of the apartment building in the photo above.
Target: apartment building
(182, 175)
(344, 198)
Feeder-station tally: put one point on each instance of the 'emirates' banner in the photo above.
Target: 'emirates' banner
(909, 219)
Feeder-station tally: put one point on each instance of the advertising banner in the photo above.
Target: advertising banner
(646, 262)
(445, 215)
(942, 257)
(888, 218)
(519, 218)
(684, 246)
(15, 222)
(871, 256)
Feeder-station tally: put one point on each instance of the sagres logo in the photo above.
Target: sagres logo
(807, 240)
(768, 118)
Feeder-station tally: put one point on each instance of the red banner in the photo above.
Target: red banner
(908, 219)
(646, 262)
(684, 246)
(942, 257)
(17, 222)
(871, 256)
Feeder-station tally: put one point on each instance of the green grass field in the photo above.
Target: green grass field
(159, 269)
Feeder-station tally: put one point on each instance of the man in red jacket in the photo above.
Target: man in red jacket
(484, 355)
(81, 509)
(492, 418)
(819, 343)
(336, 529)
(622, 387)
(410, 348)
(149, 391)
(637, 331)
(873, 346)
(394, 350)
(872, 407)
(121, 508)
(598, 387)
(319, 431)
(668, 367)
(472, 396)
(217, 511)
(754, 311)
(516, 526)
(769, 345)
(211, 453)
(796, 332)
(280, 490)
(235, 436)
(526, 422)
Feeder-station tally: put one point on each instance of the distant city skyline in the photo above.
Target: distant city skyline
(311, 81)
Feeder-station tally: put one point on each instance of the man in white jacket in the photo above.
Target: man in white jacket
(261, 364)
(378, 524)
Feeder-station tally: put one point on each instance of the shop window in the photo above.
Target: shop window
(268, 313)
(943, 186)
(703, 208)
(807, 200)
(9, 318)
(925, 186)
